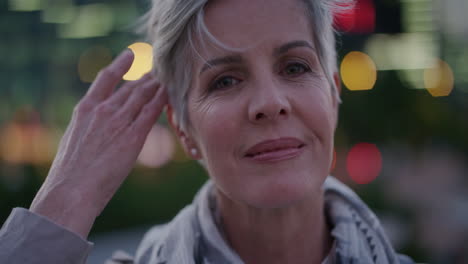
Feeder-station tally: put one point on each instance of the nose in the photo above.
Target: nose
(268, 103)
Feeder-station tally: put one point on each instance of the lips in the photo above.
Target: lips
(275, 149)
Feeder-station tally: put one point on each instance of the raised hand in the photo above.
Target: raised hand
(100, 146)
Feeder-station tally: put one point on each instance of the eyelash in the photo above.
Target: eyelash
(218, 81)
(215, 85)
(305, 67)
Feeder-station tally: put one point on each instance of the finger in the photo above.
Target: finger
(151, 111)
(139, 97)
(110, 76)
(123, 93)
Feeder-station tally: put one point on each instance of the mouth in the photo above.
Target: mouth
(275, 150)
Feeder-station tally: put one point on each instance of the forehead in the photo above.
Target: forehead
(248, 24)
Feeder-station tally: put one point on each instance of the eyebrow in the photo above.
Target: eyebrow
(291, 45)
(237, 59)
(233, 59)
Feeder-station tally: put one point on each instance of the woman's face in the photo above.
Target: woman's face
(272, 92)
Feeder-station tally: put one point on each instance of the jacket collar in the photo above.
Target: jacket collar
(193, 237)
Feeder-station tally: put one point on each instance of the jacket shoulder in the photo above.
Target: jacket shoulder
(120, 257)
(151, 241)
(144, 250)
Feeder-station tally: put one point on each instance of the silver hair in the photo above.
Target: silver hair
(170, 26)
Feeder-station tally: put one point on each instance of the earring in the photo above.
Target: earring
(194, 151)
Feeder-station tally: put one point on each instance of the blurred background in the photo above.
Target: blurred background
(401, 144)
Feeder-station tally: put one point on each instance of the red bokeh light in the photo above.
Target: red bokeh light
(364, 163)
(359, 19)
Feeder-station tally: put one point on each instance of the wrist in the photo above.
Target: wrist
(70, 208)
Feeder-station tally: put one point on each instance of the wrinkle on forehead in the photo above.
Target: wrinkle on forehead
(248, 27)
(227, 21)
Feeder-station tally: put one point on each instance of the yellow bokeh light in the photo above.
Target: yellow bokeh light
(142, 63)
(92, 61)
(358, 71)
(439, 79)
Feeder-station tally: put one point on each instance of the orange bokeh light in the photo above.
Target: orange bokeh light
(358, 71)
(439, 79)
(27, 141)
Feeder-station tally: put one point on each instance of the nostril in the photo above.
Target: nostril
(259, 116)
(282, 112)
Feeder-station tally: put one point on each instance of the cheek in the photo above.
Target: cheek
(217, 125)
(317, 114)
(317, 110)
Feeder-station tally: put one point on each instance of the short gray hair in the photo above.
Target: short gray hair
(171, 24)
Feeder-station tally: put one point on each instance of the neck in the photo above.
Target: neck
(296, 234)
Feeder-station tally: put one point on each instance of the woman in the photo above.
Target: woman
(253, 94)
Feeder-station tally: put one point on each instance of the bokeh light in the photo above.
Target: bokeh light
(142, 63)
(158, 148)
(26, 140)
(439, 79)
(358, 71)
(25, 5)
(359, 18)
(408, 51)
(60, 12)
(91, 20)
(364, 163)
(92, 61)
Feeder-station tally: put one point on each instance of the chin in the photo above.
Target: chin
(281, 192)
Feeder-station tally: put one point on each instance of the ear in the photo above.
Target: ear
(336, 102)
(336, 78)
(187, 143)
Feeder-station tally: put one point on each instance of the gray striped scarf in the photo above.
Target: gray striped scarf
(193, 235)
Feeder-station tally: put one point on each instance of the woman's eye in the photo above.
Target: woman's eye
(296, 69)
(224, 83)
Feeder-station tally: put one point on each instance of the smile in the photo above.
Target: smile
(275, 150)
